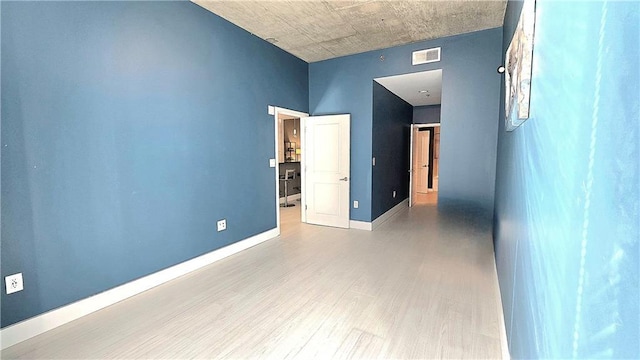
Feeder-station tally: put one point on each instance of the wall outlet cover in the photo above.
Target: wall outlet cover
(14, 283)
(355, 204)
(272, 163)
(222, 224)
(394, 194)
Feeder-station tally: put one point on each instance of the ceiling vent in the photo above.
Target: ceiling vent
(425, 56)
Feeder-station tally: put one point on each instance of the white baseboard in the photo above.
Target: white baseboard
(360, 225)
(292, 198)
(37, 325)
(402, 205)
(370, 226)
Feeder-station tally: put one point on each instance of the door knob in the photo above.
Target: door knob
(344, 179)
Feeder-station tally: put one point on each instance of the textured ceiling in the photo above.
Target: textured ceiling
(324, 29)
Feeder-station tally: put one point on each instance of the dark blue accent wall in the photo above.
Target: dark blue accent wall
(429, 114)
(567, 206)
(470, 99)
(128, 129)
(391, 127)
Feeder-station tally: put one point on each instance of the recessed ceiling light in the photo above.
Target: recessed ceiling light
(423, 91)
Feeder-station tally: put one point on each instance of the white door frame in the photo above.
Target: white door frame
(277, 112)
(411, 149)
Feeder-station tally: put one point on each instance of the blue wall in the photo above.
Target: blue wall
(470, 99)
(568, 187)
(128, 129)
(429, 114)
(391, 127)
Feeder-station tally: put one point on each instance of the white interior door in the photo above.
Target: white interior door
(327, 169)
(413, 161)
(422, 169)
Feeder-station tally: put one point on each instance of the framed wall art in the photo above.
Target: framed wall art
(519, 59)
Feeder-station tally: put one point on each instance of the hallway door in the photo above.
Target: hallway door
(422, 161)
(413, 165)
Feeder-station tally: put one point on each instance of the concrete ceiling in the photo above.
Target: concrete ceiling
(316, 30)
(418, 89)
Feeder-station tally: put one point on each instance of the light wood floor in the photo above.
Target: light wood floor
(429, 198)
(422, 286)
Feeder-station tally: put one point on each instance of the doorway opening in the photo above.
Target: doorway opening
(425, 164)
(289, 147)
(315, 151)
(423, 91)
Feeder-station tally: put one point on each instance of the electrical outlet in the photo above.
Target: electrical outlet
(374, 161)
(394, 194)
(14, 283)
(272, 163)
(222, 225)
(355, 204)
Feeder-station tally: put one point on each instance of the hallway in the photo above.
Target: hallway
(423, 285)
